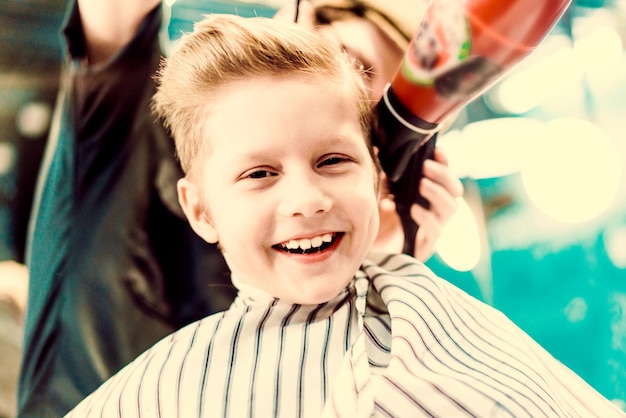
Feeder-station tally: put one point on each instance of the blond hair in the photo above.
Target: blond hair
(224, 49)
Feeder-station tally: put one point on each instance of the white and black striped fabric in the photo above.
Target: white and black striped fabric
(398, 342)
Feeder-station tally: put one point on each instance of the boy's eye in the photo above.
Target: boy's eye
(332, 161)
(259, 174)
(358, 62)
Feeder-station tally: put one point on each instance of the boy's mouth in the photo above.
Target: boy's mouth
(309, 245)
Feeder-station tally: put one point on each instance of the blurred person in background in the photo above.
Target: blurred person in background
(113, 264)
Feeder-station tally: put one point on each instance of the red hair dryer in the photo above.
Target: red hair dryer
(461, 49)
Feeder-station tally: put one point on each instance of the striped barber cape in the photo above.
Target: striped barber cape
(398, 342)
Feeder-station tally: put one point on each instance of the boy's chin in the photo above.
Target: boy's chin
(320, 295)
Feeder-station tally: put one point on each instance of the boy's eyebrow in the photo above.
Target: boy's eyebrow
(334, 140)
(338, 140)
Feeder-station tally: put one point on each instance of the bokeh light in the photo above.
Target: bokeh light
(615, 245)
(33, 119)
(491, 148)
(575, 173)
(459, 244)
(7, 158)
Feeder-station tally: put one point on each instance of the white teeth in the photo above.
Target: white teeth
(316, 242)
(306, 243)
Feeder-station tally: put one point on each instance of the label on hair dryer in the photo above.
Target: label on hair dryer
(441, 43)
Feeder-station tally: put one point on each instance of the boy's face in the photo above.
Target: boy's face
(288, 170)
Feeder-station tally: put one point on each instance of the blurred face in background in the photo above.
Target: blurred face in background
(373, 49)
(358, 36)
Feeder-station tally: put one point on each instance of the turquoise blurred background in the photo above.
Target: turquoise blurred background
(561, 278)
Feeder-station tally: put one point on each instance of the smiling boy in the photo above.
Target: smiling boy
(271, 125)
(291, 200)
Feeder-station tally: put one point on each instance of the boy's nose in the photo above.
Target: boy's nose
(304, 195)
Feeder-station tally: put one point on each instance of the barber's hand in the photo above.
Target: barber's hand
(441, 188)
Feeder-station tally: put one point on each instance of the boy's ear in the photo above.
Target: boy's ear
(189, 199)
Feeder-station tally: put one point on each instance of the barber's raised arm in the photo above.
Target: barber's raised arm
(110, 24)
